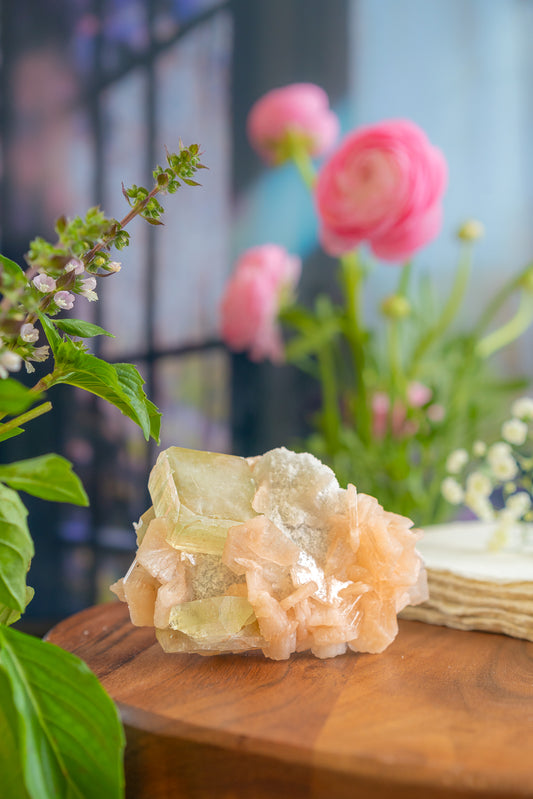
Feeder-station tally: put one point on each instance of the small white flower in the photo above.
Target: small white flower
(11, 361)
(479, 484)
(76, 266)
(64, 300)
(515, 431)
(479, 448)
(518, 504)
(114, 266)
(44, 283)
(456, 460)
(29, 333)
(497, 451)
(88, 285)
(504, 468)
(40, 353)
(523, 408)
(480, 506)
(452, 491)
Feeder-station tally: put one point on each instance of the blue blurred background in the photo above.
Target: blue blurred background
(91, 93)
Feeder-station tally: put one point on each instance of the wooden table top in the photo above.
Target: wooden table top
(440, 713)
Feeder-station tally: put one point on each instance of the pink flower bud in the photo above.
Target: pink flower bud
(384, 186)
(301, 109)
(64, 300)
(114, 266)
(418, 394)
(252, 299)
(44, 283)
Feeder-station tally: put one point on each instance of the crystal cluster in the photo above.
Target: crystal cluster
(268, 553)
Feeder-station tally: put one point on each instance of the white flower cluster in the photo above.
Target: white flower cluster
(496, 482)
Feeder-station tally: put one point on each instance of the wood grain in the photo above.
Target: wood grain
(441, 713)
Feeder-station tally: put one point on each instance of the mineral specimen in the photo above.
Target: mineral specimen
(268, 553)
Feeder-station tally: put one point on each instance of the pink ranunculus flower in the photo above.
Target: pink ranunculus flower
(383, 185)
(262, 278)
(300, 109)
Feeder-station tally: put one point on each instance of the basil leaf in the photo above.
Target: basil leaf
(16, 552)
(14, 397)
(80, 328)
(65, 724)
(46, 476)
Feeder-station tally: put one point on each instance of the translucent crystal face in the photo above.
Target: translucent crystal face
(268, 553)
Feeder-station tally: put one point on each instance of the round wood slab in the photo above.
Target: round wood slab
(441, 713)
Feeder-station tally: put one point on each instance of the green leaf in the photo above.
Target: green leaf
(132, 384)
(77, 327)
(14, 397)
(9, 616)
(119, 384)
(15, 431)
(16, 550)
(66, 725)
(54, 339)
(47, 476)
(11, 268)
(10, 751)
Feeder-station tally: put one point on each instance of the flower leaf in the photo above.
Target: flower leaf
(15, 431)
(10, 754)
(15, 397)
(119, 384)
(80, 328)
(47, 476)
(61, 720)
(16, 552)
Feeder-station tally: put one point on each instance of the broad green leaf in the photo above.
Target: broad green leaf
(68, 728)
(132, 385)
(54, 339)
(313, 341)
(14, 397)
(119, 384)
(11, 268)
(77, 327)
(16, 550)
(15, 431)
(47, 476)
(10, 753)
(9, 616)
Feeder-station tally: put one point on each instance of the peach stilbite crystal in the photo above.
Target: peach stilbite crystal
(268, 553)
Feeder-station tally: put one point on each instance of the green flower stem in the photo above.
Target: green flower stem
(330, 407)
(39, 410)
(449, 311)
(352, 274)
(511, 330)
(405, 277)
(395, 362)
(500, 299)
(398, 377)
(302, 160)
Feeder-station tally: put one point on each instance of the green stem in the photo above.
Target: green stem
(330, 408)
(511, 330)
(27, 417)
(449, 311)
(500, 299)
(395, 363)
(352, 281)
(302, 160)
(398, 377)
